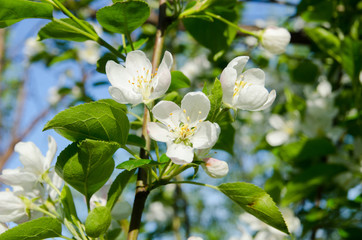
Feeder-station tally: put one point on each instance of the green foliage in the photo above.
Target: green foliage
(215, 96)
(227, 133)
(40, 228)
(178, 81)
(66, 198)
(14, 11)
(136, 141)
(98, 221)
(306, 72)
(101, 63)
(65, 29)
(318, 11)
(103, 120)
(255, 201)
(117, 187)
(123, 17)
(351, 53)
(326, 41)
(86, 166)
(136, 163)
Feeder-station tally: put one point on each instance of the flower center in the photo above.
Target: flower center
(143, 82)
(239, 84)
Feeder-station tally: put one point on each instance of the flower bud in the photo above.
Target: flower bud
(275, 39)
(215, 168)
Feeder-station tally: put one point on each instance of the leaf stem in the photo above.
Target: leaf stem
(218, 17)
(191, 182)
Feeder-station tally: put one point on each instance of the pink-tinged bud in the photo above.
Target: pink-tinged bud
(275, 39)
(215, 168)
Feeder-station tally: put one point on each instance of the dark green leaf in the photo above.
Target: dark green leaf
(306, 72)
(88, 166)
(178, 80)
(64, 29)
(101, 63)
(326, 41)
(136, 141)
(227, 133)
(351, 52)
(136, 163)
(123, 17)
(319, 11)
(103, 120)
(14, 11)
(36, 229)
(117, 187)
(255, 201)
(98, 221)
(66, 198)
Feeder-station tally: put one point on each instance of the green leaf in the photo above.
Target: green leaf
(178, 80)
(255, 201)
(16, 10)
(101, 63)
(117, 187)
(351, 53)
(306, 183)
(102, 120)
(227, 133)
(88, 166)
(39, 228)
(215, 96)
(123, 17)
(136, 45)
(64, 29)
(98, 221)
(319, 11)
(326, 41)
(70, 54)
(66, 198)
(136, 163)
(306, 72)
(215, 35)
(136, 141)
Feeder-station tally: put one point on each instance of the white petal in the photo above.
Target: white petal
(215, 168)
(251, 97)
(254, 76)
(30, 157)
(227, 79)
(196, 106)
(117, 75)
(52, 149)
(163, 76)
(206, 135)
(11, 207)
(137, 60)
(277, 138)
(17, 176)
(276, 121)
(125, 96)
(271, 97)
(158, 132)
(238, 64)
(164, 110)
(180, 153)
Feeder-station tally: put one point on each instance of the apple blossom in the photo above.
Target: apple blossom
(12, 208)
(135, 83)
(275, 39)
(3, 227)
(245, 90)
(184, 129)
(283, 129)
(195, 238)
(215, 168)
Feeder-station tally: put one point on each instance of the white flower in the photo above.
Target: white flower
(215, 168)
(196, 66)
(184, 129)
(12, 207)
(90, 53)
(275, 39)
(136, 83)
(245, 90)
(32, 158)
(3, 228)
(195, 238)
(283, 129)
(158, 212)
(53, 95)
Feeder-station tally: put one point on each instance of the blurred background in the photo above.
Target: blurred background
(305, 151)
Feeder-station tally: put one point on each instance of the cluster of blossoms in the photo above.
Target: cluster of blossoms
(184, 128)
(28, 183)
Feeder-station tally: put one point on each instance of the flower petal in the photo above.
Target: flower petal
(125, 96)
(52, 149)
(206, 135)
(164, 110)
(238, 64)
(277, 138)
(17, 176)
(215, 168)
(11, 207)
(180, 153)
(276, 121)
(158, 132)
(137, 60)
(163, 76)
(196, 107)
(271, 97)
(251, 97)
(117, 75)
(254, 76)
(227, 79)
(30, 157)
